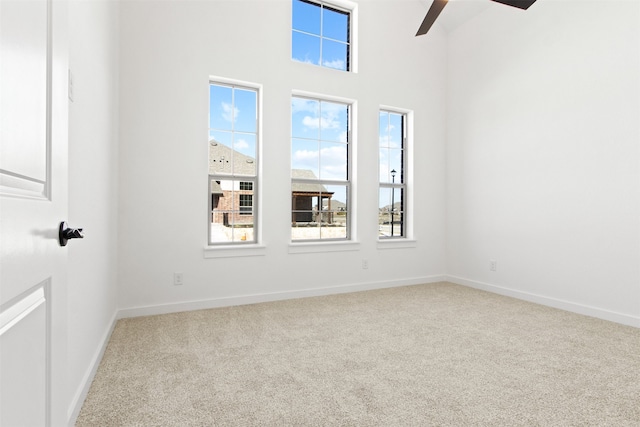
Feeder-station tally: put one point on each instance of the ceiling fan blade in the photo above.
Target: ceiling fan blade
(520, 4)
(432, 14)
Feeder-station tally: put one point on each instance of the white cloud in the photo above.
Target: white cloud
(336, 63)
(228, 112)
(302, 104)
(241, 144)
(333, 161)
(327, 122)
(307, 157)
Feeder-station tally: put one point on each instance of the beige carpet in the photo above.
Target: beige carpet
(437, 354)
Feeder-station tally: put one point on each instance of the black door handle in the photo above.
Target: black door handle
(65, 233)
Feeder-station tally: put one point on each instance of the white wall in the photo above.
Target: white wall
(93, 177)
(543, 155)
(168, 51)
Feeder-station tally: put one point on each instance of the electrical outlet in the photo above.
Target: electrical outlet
(493, 265)
(177, 279)
(365, 264)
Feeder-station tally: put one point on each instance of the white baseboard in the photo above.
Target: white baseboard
(85, 385)
(273, 296)
(573, 307)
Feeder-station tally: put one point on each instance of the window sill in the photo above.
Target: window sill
(232, 251)
(317, 247)
(397, 243)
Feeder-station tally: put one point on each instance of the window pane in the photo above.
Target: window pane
(244, 155)
(333, 216)
(305, 118)
(306, 17)
(334, 54)
(232, 212)
(305, 157)
(384, 129)
(305, 231)
(391, 212)
(395, 163)
(395, 130)
(220, 152)
(333, 161)
(305, 48)
(220, 107)
(334, 124)
(245, 109)
(304, 202)
(397, 213)
(335, 24)
(385, 175)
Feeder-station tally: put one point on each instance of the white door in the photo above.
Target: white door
(33, 201)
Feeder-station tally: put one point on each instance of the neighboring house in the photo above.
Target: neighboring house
(232, 199)
(303, 195)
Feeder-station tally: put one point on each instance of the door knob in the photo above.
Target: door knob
(65, 233)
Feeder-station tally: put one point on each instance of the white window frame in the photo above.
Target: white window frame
(235, 249)
(346, 6)
(407, 239)
(349, 243)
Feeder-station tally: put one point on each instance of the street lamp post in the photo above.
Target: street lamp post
(393, 192)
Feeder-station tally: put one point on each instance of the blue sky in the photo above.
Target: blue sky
(390, 146)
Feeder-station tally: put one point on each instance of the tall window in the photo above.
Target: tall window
(321, 34)
(392, 172)
(233, 163)
(320, 172)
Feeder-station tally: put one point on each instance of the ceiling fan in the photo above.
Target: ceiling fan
(438, 5)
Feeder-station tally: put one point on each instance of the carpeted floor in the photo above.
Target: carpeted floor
(436, 354)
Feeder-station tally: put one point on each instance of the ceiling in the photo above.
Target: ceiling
(456, 13)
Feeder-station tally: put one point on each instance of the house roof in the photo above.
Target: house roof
(215, 187)
(301, 187)
(223, 157)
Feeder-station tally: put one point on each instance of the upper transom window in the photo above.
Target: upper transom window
(321, 34)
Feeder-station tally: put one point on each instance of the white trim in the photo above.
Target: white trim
(83, 390)
(399, 243)
(351, 182)
(230, 251)
(257, 179)
(408, 149)
(14, 185)
(21, 309)
(274, 296)
(235, 82)
(625, 319)
(316, 96)
(307, 247)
